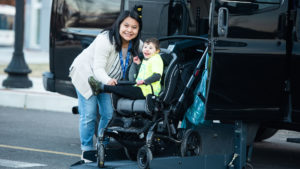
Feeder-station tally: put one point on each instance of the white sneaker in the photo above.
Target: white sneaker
(84, 159)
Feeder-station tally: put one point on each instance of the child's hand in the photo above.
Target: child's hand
(136, 60)
(140, 82)
(112, 82)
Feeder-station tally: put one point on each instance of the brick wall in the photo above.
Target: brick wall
(8, 2)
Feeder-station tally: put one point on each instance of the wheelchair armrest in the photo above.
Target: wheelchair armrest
(125, 82)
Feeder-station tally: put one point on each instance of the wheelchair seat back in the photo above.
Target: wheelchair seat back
(128, 107)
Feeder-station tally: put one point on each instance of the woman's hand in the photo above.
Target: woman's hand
(136, 60)
(112, 82)
(140, 82)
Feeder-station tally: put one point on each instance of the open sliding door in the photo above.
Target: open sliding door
(249, 64)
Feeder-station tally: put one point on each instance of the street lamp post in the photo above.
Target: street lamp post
(17, 69)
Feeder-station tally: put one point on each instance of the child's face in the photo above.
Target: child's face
(149, 49)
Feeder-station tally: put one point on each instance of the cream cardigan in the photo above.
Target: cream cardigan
(96, 60)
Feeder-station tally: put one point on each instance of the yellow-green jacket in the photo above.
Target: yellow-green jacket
(148, 67)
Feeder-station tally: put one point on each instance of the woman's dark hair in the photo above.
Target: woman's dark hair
(114, 35)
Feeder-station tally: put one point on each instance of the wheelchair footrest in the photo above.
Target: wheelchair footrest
(130, 129)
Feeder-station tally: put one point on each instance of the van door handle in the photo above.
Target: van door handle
(297, 31)
(223, 22)
(282, 26)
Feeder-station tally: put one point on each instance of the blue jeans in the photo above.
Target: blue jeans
(88, 116)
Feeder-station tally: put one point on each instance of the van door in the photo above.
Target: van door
(295, 62)
(74, 25)
(248, 72)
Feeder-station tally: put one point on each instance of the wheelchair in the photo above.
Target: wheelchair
(154, 130)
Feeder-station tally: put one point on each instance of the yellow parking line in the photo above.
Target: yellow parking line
(39, 150)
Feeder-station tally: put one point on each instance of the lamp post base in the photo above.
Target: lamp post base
(17, 81)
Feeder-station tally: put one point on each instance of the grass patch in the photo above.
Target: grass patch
(37, 70)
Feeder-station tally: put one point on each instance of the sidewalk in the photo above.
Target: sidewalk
(35, 97)
(31, 56)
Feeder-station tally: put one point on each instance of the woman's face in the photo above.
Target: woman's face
(129, 29)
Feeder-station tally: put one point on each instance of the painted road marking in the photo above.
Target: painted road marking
(19, 164)
(39, 150)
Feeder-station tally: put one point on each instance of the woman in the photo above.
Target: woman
(107, 59)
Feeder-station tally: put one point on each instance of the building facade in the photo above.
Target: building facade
(36, 23)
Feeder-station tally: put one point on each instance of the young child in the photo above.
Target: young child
(148, 78)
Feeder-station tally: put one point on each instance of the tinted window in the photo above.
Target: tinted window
(89, 13)
(261, 1)
(268, 1)
(190, 18)
(249, 6)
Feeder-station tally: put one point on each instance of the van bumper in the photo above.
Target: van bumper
(64, 87)
(48, 81)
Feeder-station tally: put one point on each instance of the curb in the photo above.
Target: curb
(36, 98)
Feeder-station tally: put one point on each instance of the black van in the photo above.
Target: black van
(254, 45)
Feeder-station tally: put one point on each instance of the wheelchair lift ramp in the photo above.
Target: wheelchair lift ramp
(196, 162)
(124, 164)
(217, 161)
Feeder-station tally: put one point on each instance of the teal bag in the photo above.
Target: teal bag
(196, 112)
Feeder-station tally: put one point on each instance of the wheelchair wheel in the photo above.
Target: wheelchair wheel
(100, 155)
(180, 134)
(191, 144)
(131, 154)
(144, 157)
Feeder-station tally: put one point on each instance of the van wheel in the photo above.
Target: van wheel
(264, 133)
(191, 144)
(100, 155)
(144, 157)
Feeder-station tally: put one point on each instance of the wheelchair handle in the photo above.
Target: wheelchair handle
(125, 82)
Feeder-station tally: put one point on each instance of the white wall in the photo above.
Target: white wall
(37, 24)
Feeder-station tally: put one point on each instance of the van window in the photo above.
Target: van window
(249, 6)
(92, 13)
(267, 4)
(189, 18)
(257, 1)
(269, 1)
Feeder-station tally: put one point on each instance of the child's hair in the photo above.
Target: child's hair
(155, 41)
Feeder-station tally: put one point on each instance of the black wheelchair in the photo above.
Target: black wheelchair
(146, 131)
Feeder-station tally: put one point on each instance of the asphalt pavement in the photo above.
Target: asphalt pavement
(35, 97)
(38, 139)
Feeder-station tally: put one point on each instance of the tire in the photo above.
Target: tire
(100, 155)
(144, 157)
(191, 144)
(180, 134)
(131, 154)
(264, 133)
